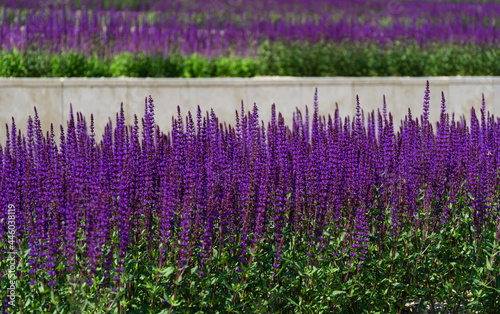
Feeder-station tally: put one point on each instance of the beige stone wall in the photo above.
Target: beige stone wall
(102, 97)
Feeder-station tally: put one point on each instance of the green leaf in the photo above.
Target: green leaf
(82, 288)
(337, 292)
(42, 289)
(168, 271)
(53, 298)
(194, 269)
(398, 284)
(488, 263)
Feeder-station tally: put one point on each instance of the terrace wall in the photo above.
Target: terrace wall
(102, 97)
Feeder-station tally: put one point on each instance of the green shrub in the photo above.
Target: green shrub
(12, 64)
(276, 58)
(198, 66)
(237, 67)
(68, 64)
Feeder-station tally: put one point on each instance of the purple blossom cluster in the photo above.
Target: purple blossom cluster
(219, 27)
(209, 185)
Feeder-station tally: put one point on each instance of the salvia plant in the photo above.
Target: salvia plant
(236, 27)
(327, 214)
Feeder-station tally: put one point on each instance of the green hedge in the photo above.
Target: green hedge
(299, 59)
(286, 59)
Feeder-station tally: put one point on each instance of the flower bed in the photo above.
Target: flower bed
(219, 27)
(331, 214)
(241, 38)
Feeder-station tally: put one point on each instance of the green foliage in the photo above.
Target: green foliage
(277, 58)
(68, 64)
(197, 66)
(234, 67)
(12, 64)
(141, 65)
(332, 59)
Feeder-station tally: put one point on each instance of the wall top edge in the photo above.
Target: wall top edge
(243, 82)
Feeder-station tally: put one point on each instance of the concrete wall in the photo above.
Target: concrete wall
(102, 97)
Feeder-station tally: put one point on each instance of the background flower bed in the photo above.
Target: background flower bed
(336, 214)
(241, 38)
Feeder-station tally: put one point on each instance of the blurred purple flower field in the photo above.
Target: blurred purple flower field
(214, 28)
